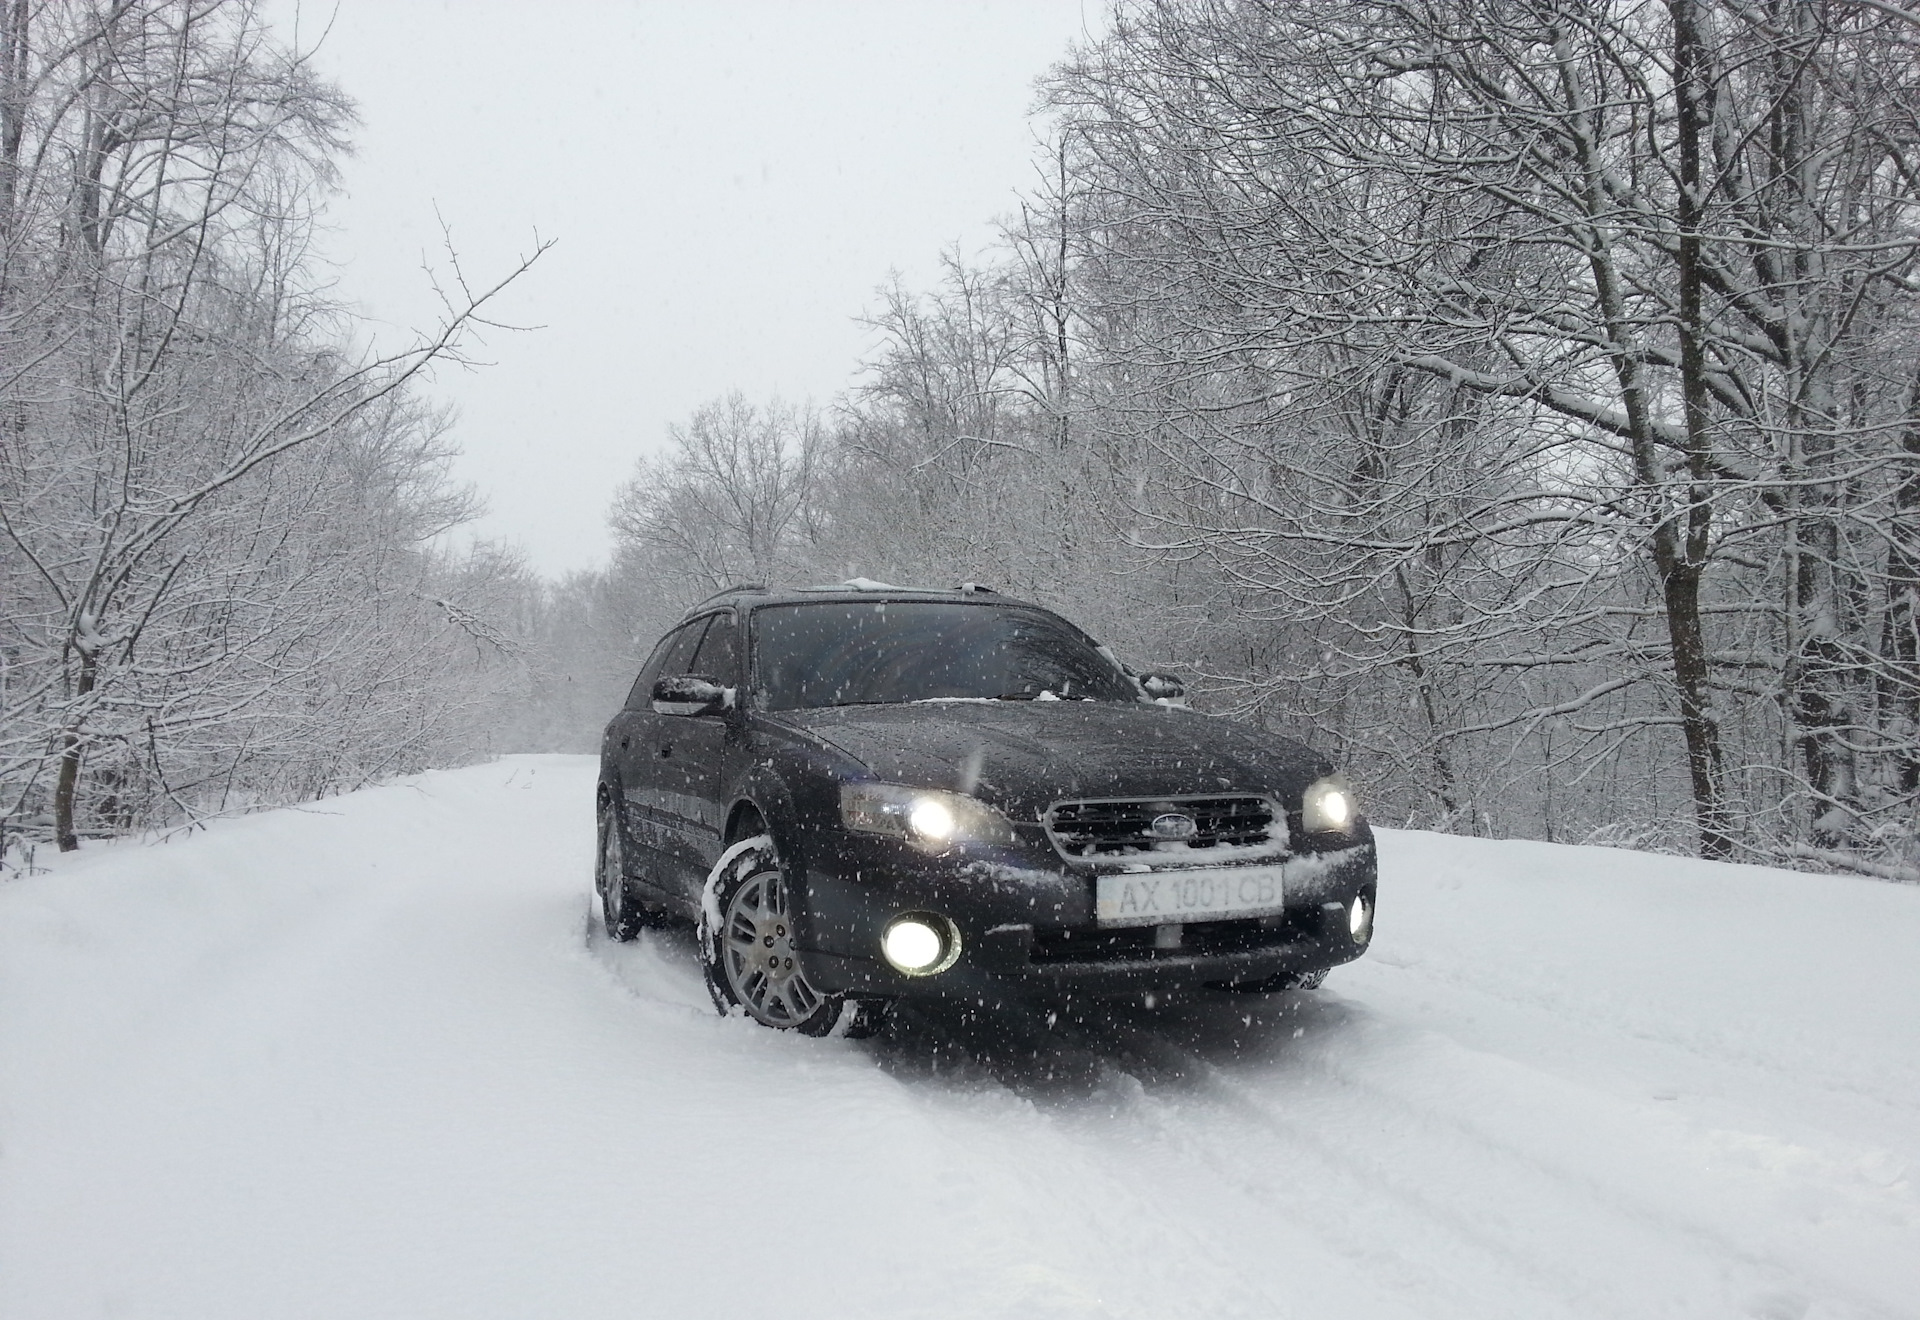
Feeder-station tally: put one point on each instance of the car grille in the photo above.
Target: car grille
(1112, 828)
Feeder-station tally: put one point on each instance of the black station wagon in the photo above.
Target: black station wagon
(864, 793)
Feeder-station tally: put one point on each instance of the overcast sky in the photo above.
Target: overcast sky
(727, 183)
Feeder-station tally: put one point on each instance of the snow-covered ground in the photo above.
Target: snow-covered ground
(366, 1060)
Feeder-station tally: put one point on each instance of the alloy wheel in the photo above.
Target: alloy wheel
(758, 957)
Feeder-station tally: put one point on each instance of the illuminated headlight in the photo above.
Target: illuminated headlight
(920, 943)
(927, 818)
(931, 819)
(1360, 920)
(1328, 806)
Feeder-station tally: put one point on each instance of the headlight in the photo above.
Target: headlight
(927, 818)
(1328, 806)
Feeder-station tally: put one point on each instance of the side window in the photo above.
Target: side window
(669, 657)
(637, 694)
(679, 657)
(719, 654)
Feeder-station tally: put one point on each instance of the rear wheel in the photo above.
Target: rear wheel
(751, 963)
(621, 909)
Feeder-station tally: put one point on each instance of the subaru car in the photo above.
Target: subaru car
(862, 794)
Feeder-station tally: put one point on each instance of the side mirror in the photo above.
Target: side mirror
(689, 694)
(1164, 688)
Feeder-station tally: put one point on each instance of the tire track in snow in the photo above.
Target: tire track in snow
(1077, 1088)
(1762, 1069)
(1126, 1080)
(1690, 1247)
(1358, 1212)
(936, 1084)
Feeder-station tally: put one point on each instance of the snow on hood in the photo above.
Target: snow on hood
(1023, 755)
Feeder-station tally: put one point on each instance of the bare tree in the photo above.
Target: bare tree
(1665, 248)
(175, 408)
(733, 500)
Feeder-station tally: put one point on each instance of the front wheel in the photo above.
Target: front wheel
(751, 963)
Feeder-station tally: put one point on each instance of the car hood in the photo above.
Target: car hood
(1023, 755)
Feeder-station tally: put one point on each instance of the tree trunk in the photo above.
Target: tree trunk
(1900, 626)
(66, 786)
(1680, 587)
(14, 16)
(1681, 543)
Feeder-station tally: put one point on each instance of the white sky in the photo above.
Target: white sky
(728, 184)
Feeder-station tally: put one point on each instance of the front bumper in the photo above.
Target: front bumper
(1038, 942)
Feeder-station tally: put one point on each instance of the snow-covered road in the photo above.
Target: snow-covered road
(366, 1060)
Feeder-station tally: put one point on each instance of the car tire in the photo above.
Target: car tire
(622, 911)
(751, 964)
(1273, 985)
(863, 1018)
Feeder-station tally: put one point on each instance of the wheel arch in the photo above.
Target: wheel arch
(767, 797)
(744, 819)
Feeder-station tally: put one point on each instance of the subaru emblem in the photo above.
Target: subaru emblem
(1173, 825)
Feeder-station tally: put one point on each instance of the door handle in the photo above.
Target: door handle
(664, 750)
(624, 742)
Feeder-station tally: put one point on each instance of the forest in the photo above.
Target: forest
(1519, 399)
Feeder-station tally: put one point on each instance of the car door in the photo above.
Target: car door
(647, 785)
(689, 761)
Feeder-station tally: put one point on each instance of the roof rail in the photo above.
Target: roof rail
(737, 589)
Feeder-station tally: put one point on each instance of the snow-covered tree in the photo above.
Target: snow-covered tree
(216, 523)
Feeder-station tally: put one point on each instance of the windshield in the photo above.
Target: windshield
(848, 654)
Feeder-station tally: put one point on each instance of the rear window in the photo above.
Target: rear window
(854, 654)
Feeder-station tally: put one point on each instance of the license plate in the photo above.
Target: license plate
(1158, 898)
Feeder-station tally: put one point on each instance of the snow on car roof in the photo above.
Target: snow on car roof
(851, 587)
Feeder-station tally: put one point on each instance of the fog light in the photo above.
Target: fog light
(1360, 920)
(920, 944)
